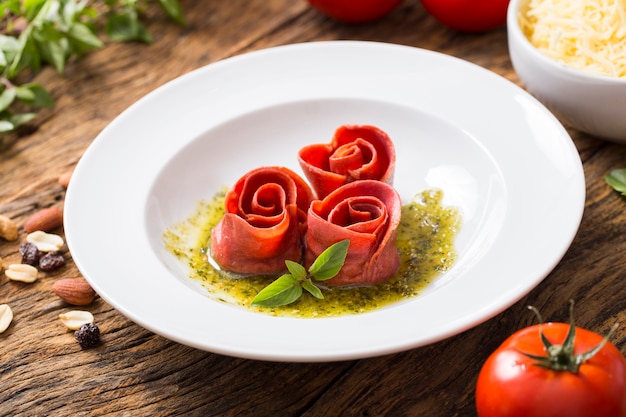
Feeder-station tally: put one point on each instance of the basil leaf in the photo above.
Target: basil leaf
(329, 263)
(313, 289)
(6, 126)
(7, 97)
(173, 10)
(83, 39)
(20, 119)
(124, 27)
(296, 270)
(35, 95)
(617, 180)
(285, 290)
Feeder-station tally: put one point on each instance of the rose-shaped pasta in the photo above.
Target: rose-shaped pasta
(355, 153)
(366, 212)
(264, 223)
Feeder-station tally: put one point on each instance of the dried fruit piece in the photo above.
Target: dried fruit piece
(30, 254)
(45, 242)
(76, 318)
(22, 272)
(76, 291)
(44, 220)
(88, 335)
(6, 317)
(8, 228)
(51, 261)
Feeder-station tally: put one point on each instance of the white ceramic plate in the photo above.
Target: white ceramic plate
(497, 153)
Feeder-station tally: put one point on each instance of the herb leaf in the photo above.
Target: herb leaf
(617, 180)
(296, 270)
(329, 263)
(313, 289)
(288, 288)
(34, 33)
(284, 290)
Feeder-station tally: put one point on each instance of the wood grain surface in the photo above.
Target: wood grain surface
(134, 372)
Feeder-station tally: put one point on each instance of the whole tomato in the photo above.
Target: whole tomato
(531, 374)
(468, 15)
(355, 11)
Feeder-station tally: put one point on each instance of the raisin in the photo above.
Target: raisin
(88, 335)
(30, 254)
(51, 261)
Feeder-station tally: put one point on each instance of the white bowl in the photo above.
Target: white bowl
(592, 103)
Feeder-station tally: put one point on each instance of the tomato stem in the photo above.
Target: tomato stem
(561, 357)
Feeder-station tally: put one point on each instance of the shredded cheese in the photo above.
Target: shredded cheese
(589, 35)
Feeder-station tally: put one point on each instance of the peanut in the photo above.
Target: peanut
(6, 317)
(76, 318)
(22, 272)
(44, 220)
(45, 242)
(8, 228)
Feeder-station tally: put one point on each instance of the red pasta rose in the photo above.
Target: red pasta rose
(366, 212)
(264, 223)
(355, 153)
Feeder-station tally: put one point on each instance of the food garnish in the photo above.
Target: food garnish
(288, 287)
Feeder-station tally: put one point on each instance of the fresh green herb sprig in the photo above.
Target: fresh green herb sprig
(289, 287)
(34, 33)
(617, 180)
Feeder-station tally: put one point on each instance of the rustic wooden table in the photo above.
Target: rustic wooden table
(43, 371)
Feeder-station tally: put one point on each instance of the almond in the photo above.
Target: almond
(64, 179)
(75, 291)
(45, 220)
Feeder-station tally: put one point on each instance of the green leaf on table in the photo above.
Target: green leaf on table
(82, 39)
(617, 180)
(6, 126)
(7, 97)
(19, 119)
(173, 10)
(124, 27)
(329, 263)
(35, 95)
(52, 52)
(285, 290)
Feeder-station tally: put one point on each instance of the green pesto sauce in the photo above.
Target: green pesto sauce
(425, 241)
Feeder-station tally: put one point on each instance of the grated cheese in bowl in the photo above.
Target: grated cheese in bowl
(589, 35)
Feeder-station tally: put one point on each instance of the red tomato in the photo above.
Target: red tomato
(355, 11)
(511, 384)
(468, 15)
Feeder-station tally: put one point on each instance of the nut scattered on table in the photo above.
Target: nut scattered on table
(8, 228)
(45, 220)
(6, 317)
(22, 272)
(76, 318)
(75, 291)
(45, 242)
(64, 179)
